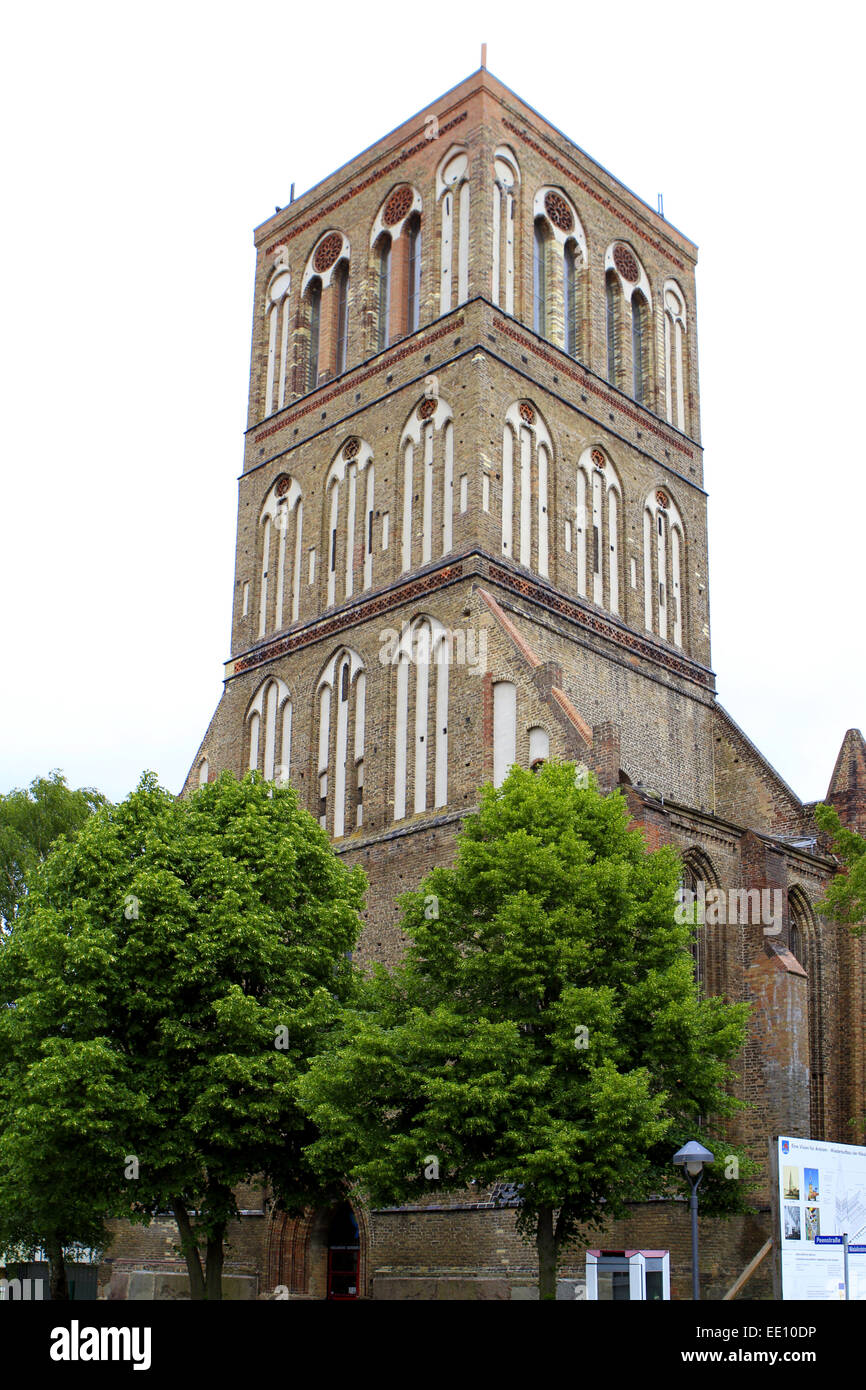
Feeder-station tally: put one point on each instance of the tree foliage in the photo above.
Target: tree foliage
(176, 968)
(845, 898)
(545, 1029)
(31, 820)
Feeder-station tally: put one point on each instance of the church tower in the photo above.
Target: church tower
(472, 531)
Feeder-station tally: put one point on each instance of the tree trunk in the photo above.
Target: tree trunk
(545, 1243)
(215, 1262)
(58, 1290)
(189, 1246)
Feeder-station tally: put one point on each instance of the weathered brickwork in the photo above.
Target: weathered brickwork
(553, 520)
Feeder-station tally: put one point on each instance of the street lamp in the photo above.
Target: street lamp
(694, 1158)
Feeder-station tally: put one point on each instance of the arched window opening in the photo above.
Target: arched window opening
(344, 1252)
(269, 720)
(203, 772)
(597, 528)
(676, 389)
(421, 741)
(395, 241)
(570, 274)
(314, 298)
(539, 278)
(277, 312)
(664, 567)
(452, 190)
(539, 748)
(506, 178)
(805, 944)
(413, 278)
(342, 705)
(527, 454)
(341, 279)
(384, 299)
(427, 448)
(504, 730)
(639, 347)
(613, 303)
(347, 521)
(281, 525)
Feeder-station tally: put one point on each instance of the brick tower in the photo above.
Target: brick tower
(472, 532)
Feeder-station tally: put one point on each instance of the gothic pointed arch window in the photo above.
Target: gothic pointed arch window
(395, 245)
(805, 944)
(506, 186)
(453, 195)
(325, 295)
(348, 520)
(280, 542)
(698, 878)
(421, 731)
(277, 337)
(628, 302)
(676, 359)
(504, 730)
(559, 279)
(527, 459)
(427, 454)
(269, 730)
(341, 700)
(598, 529)
(664, 566)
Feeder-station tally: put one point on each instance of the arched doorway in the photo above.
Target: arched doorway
(344, 1254)
(320, 1255)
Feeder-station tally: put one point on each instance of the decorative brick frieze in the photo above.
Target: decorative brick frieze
(558, 603)
(351, 617)
(325, 211)
(582, 376)
(319, 399)
(594, 193)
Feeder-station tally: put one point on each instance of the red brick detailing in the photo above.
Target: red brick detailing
(662, 500)
(626, 264)
(559, 604)
(593, 193)
(283, 485)
(558, 211)
(351, 618)
(292, 232)
(847, 790)
(357, 377)
(398, 205)
(527, 414)
(571, 713)
(351, 448)
(519, 642)
(327, 252)
(598, 458)
(583, 378)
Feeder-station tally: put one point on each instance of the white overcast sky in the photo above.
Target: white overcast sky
(142, 144)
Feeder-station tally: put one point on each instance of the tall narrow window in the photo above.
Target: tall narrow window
(278, 339)
(612, 296)
(504, 730)
(570, 293)
(597, 530)
(421, 737)
(427, 447)
(270, 713)
(341, 692)
(539, 279)
(342, 285)
(315, 298)
(452, 190)
(413, 279)
(639, 347)
(506, 177)
(527, 453)
(382, 338)
(348, 519)
(664, 567)
(281, 525)
(676, 391)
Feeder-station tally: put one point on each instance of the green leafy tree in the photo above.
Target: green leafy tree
(31, 820)
(175, 970)
(845, 898)
(544, 1030)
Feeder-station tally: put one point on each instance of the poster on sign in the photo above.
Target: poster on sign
(821, 1199)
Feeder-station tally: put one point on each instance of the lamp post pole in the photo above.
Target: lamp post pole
(693, 1157)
